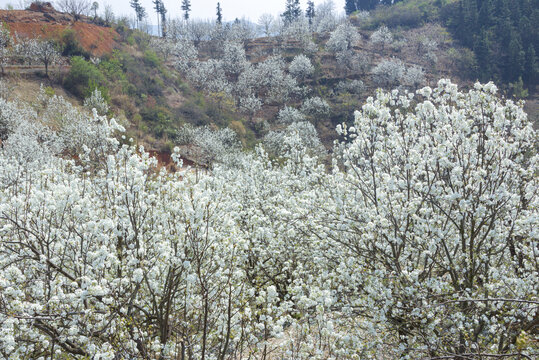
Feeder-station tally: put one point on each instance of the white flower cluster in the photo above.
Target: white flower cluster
(419, 242)
(382, 36)
(392, 72)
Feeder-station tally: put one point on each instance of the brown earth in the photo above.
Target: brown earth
(45, 22)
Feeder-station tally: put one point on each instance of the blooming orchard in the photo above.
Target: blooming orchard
(420, 241)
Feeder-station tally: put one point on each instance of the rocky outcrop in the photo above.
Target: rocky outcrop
(43, 7)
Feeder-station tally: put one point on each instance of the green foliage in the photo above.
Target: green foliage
(501, 34)
(464, 60)
(70, 45)
(83, 78)
(151, 59)
(194, 114)
(517, 89)
(160, 120)
(112, 68)
(409, 14)
(139, 76)
(141, 40)
(49, 91)
(131, 40)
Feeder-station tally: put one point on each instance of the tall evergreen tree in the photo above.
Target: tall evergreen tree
(140, 11)
(186, 8)
(310, 12)
(219, 14)
(482, 49)
(500, 32)
(531, 69)
(292, 11)
(367, 4)
(514, 67)
(157, 7)
(94, 8)
(350, 6)
(163, 13)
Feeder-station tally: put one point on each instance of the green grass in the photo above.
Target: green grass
(406, 14)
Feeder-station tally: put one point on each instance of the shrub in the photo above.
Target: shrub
(83, 78)
(238, 127)
(70, 45)
(151, 59)
(112, 67)
(408, 14)
(464, 60)
(160, 119)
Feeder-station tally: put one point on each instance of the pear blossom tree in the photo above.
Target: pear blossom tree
(298, 31)
(234, 59)
(25, 49)
(301, 67)
(389, 73)
(341, 42)
(163, 46)
(6, 41)
(418, 241)
(97, 101)
(325, 20)
(6, 89)
(209, 76)
(46, 53)
(352, 86)
(316, 108)
(297, 135)
(428, 48)
(445, 233)
(210, 146)
(250, 105)
(353, 62)
(266, 24)
(414, 77)
(382, 37)
(267, 80)
(186, 54)
(343, 38)
(289, 115)
(241, 31)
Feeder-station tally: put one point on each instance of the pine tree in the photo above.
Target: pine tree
(531, 69)
(140, 11)
(500, 33)
(486, 14)
(94, 8)
(135, 4)
(186, 8)
(157, 6)
(292, 12)
(310, 12)
(468, 10)
(515, 66)
(296, 10)
(350, 6)
(483, 52)
(219, 14)
(366, 4)
(163, 13)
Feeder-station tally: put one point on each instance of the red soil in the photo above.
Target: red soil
(45, 22)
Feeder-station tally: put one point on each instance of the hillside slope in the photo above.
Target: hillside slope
(45, 22)
(146, 91)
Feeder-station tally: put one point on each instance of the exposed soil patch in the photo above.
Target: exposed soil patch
(45, 22)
